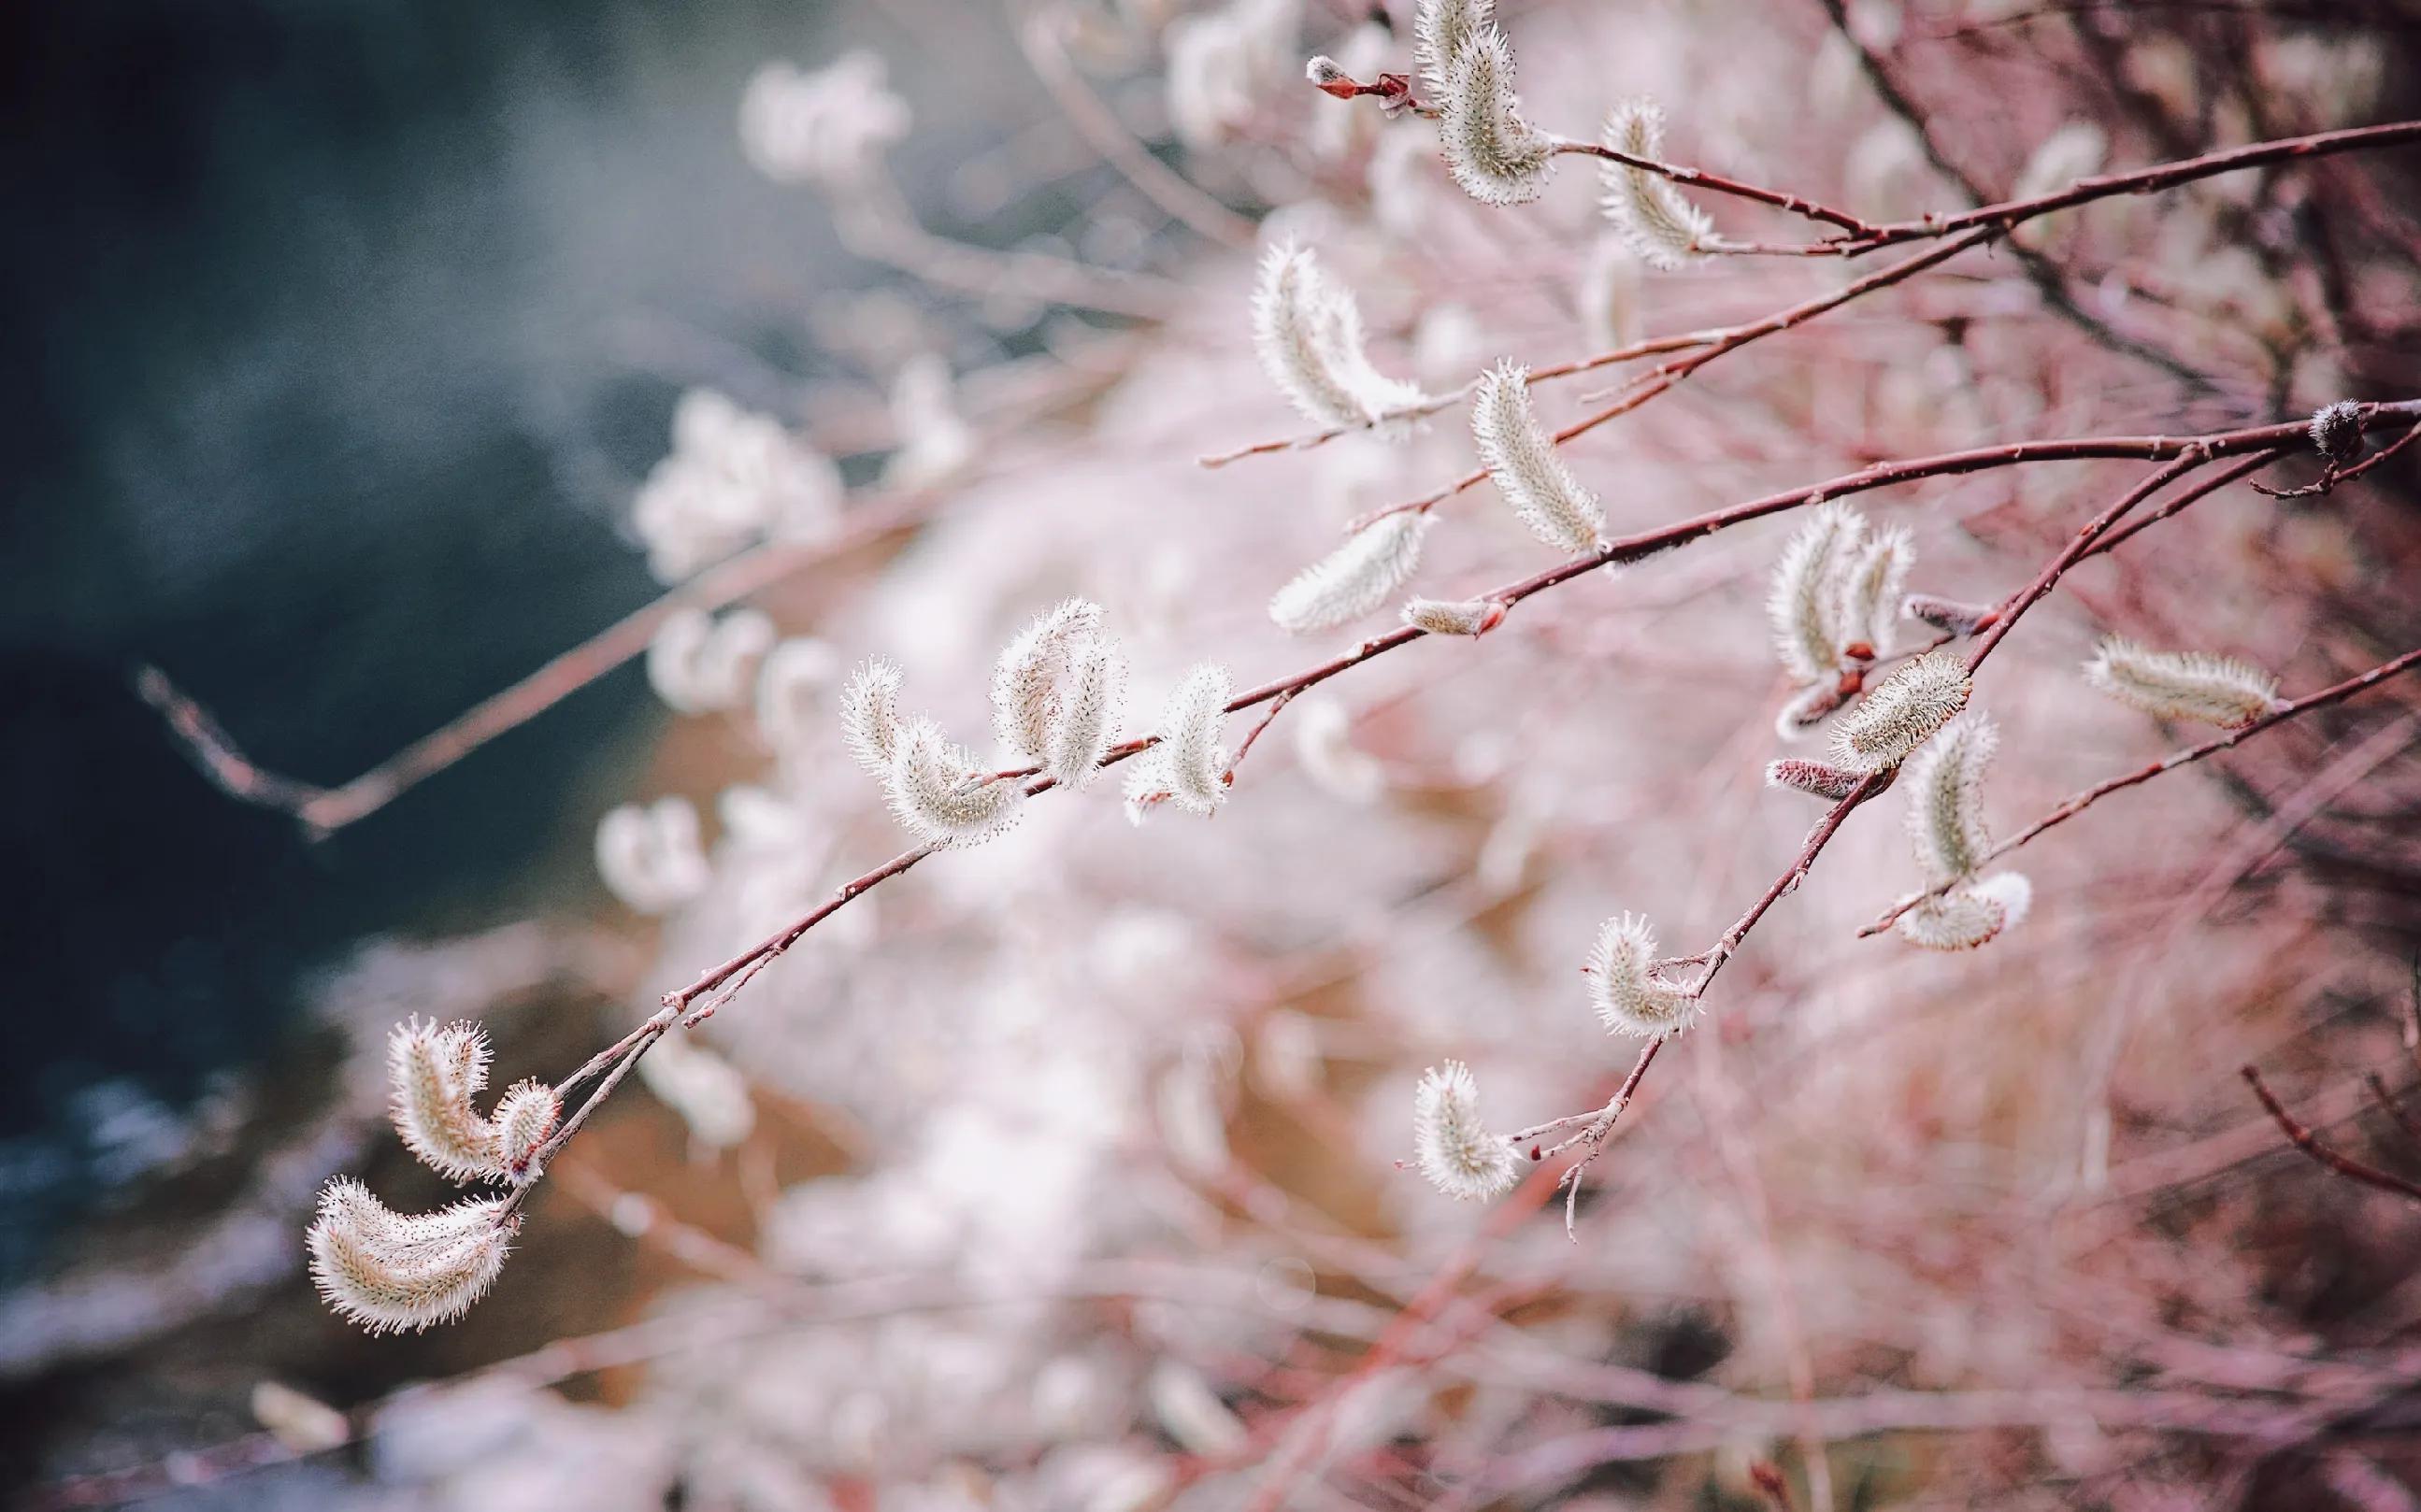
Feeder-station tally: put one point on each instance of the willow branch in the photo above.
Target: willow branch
(2311, 1143)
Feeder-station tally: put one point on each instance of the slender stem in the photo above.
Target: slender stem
(2070, 808)
(1717, 183)
(2311, 1145)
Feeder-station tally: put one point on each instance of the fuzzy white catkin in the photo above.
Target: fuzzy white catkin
(1945, 802)
(698, 663)
(525, 1116)
(433, 1071)
(870, 716)
(935, 790)
(1085, 718)
(649, 856)
(1804, 599)
(1308, 333)
(1970, 915)
(732, 477)
(1918, 698)
(1520, 459)
(1454, 1148)
(1872, 589)
(1026, 680)
(2215, 689)
(390, 1272)
(1628, 998)
(1467, 616)
(2336, 431)
(1187, 767)
(1354, 579)
(1497, 156)
(1664, 229)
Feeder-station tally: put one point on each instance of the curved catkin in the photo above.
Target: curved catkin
(1917, 699)
(870, 716)
(935, 790)
(526, 1115)
(389, 1272)
(1354, 579)
(1945, 803)
(1520, 459)
(1456, 1152)
(1189, 756)
(1661, 228)
(433, 1071)
(1026, 680)
(1497, 156)
(1803, 603)
(1628, 998)
(2215, 689)
(1308, 334)
(1970, 915)
(2336, 432)
(1469, 617)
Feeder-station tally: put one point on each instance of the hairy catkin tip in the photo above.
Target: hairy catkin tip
(1187, 767)
(1456, 1153)
(1439, 27)
(1663, 228)
(2336, 431)
(1814, 778)
(1028, 681)
(1469, 617)
(1497, 156)
(1970, 915)
(1324, 70)
(1354, 579)
(2215, 689)
(433, 1071)
(1623, 985)
(1522, 460)
(390, 1272)
(1918, 698)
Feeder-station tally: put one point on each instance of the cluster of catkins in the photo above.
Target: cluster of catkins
(391, 1272)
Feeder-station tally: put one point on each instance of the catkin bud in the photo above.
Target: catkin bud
(1947, 615)
(1629, 997)
(1945, 806)
(2217, 689)
(433, 1071)
(1497, 156)
(2336, 432)
(1520, 459)
(1354, 579)
(1918, 698)
(1469, 617)
(1324, 70)
(1870, 592)
(1814, 778)
(1085, 715)
(388, 1271)
(1456, 1153)
(1814, 704)
(650, 855)
(1969, 915)
(1308, 335)
(1663, 228)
